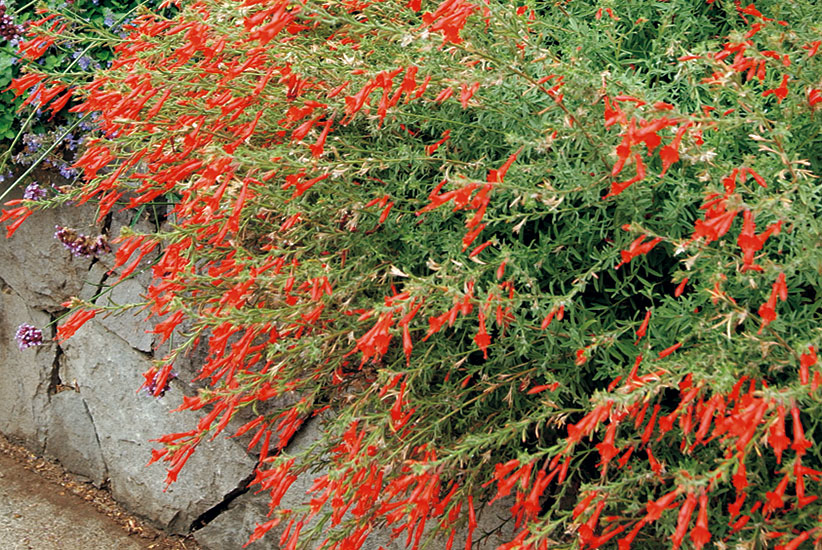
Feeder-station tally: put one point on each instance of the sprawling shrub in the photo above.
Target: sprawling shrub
(563, 252)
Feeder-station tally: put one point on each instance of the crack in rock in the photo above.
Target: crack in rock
(104, 473)
(55, 382)
(209, 515)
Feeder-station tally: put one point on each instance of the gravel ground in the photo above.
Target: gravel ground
(44, 508)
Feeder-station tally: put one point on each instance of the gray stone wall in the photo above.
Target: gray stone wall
(77, 402)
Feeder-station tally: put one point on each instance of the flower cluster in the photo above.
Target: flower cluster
(34, 192)
(8, 29)
(82, 245)
(28, 336)
(64, 148)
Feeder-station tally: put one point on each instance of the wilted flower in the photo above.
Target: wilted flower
(81, 245)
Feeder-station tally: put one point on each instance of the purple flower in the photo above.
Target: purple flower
(8, 29)
(33, 142)
(83, 61)
(100, 246)
(28, 336)
(34, 192)
(67, 171)
(81, 245)
(69, 140)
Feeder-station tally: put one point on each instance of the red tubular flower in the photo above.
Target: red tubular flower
(431, 149)
(374, 343)
(740, 478)
(586, 531)
(583, 504)
(471, 236)
(668, 351)
(806, 361)
(22, 84)
(683, 520)
(649, 429)
(800, 444)
(643, 327)
(449, 18)
(781, 92)
(750, 242)
(480, 248)
(318, 147)
(482, 338)
(759, 179)
(606, 449)
(777, 438)
(467, 92)
(796, 542)
(767, 311)
(548, 319)
(774, 497)
(706, 415)
(700, 535)
(656, 467)
(178, 460)
(669, 154)
(73, 323)
(472, 522)
(654, 508)
(801, 498)
(497, 175)
(542, 388)
(680, 288)
(166, 327)
(625, 542)
(588, 423)
(637, 248)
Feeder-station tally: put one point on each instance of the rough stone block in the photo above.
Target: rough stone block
(72, 438)
(234, 525)
(108, 371)
(25, 376)
(131, 325)
(37, 266)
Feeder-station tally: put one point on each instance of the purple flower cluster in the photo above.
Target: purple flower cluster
(33, 142)
(81, 245)
(8, 29)
(34, 192)
(28, 336)
(84, 61)
(67, 171)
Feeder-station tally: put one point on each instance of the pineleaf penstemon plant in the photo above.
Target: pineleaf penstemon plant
(566, 253)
